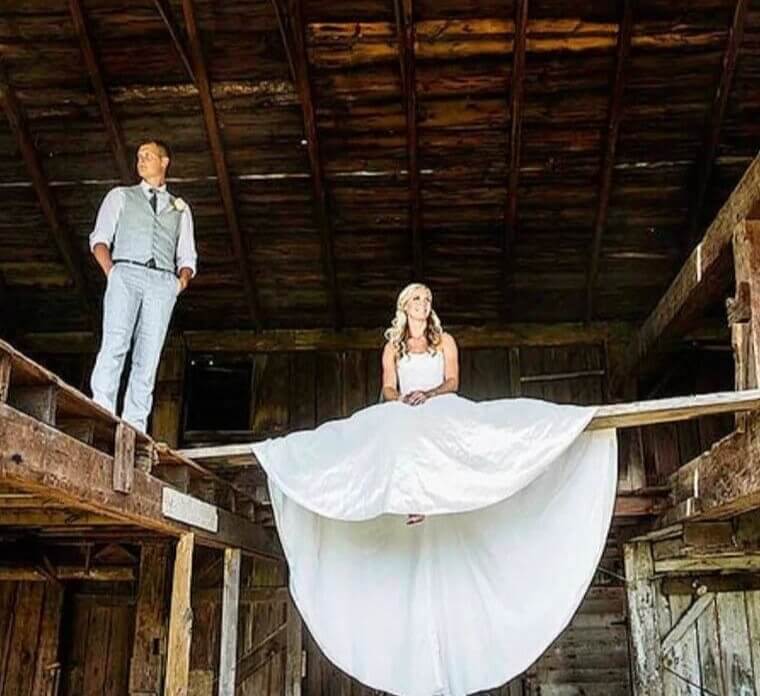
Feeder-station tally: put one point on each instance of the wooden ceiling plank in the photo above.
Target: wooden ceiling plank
(60, 235)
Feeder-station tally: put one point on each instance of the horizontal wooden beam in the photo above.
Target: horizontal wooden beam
(99, 574)
(630, 415)
(724, 481)
(704, 277)
(271, 341)
(39, 459)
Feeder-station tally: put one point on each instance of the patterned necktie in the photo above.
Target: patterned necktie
(154, 199)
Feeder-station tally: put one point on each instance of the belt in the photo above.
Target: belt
(150, 263)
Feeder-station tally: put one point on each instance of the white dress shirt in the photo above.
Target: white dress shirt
(112, 206)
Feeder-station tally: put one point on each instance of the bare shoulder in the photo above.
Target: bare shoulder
(448, 342)
(389, 352)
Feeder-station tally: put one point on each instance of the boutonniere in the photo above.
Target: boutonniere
(179, 204)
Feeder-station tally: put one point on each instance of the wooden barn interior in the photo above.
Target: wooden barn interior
(577, 182)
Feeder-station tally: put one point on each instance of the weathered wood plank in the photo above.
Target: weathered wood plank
(406, 38)
(124, 458)
(752, 604)
(292, 30)
(516, 98)
(216, 145)
(687, 615)
(294, 651)
(714, 121)
(149, 644)
(5, 376)
(43, 460)
(180, 620)
(710, 658)
(47, 665)
(38, 401)
(683, 646)
(734, 642)
(113, 130)
(645, 636)
(230, 610)
(284, 340)
(60, 235)
(610, 416)
(702, 279)
(610, 147)
(167, 402)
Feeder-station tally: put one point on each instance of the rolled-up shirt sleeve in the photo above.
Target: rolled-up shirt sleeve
(186, 255)
(107, 219)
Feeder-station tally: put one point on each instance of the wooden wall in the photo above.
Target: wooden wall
(30, 616)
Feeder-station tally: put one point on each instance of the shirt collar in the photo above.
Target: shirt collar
(146, 187)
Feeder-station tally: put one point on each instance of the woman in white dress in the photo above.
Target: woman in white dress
(517, 500)
(420, 360)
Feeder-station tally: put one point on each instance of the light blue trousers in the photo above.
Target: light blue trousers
(137, 308)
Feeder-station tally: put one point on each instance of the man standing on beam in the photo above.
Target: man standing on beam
(143, 240)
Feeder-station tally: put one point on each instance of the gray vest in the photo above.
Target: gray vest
(142, 235)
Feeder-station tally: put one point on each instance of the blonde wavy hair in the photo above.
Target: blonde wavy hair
(398, 332)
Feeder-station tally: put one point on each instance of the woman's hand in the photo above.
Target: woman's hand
(415, 398)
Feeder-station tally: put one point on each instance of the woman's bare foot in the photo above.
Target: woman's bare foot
(414, 519)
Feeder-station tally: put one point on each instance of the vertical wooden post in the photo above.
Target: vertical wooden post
(294, 651)
(230, 605)
(124, 458)
(180, 620)
(5, 376)
(514, 372)
(46, 673)
(167, 403)
(149, 646)
(642, 611)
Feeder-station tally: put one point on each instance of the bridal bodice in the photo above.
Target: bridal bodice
(420, 371)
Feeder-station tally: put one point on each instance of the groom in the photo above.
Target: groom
(143, 241)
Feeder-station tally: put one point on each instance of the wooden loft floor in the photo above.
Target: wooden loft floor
(67, 465)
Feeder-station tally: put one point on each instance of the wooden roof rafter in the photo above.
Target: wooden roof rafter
(113, 129)
(60, 235)
(516, 97)
(608, 161)
(292, 30)
(196, 66)
(405, 32)
(709, 150)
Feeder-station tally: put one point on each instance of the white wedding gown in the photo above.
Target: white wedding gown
(518, 502)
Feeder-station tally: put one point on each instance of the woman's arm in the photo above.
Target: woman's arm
(390, 384)
(450, 382)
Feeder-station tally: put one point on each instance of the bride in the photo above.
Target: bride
(516, 500)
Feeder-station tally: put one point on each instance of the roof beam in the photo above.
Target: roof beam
(113, 130)
(292, 30)
(167, 15)
(515, 132)
(608, 161)
(405, 32)
(709, 149)
(60, 235)
(197, 72)
(702, 279)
